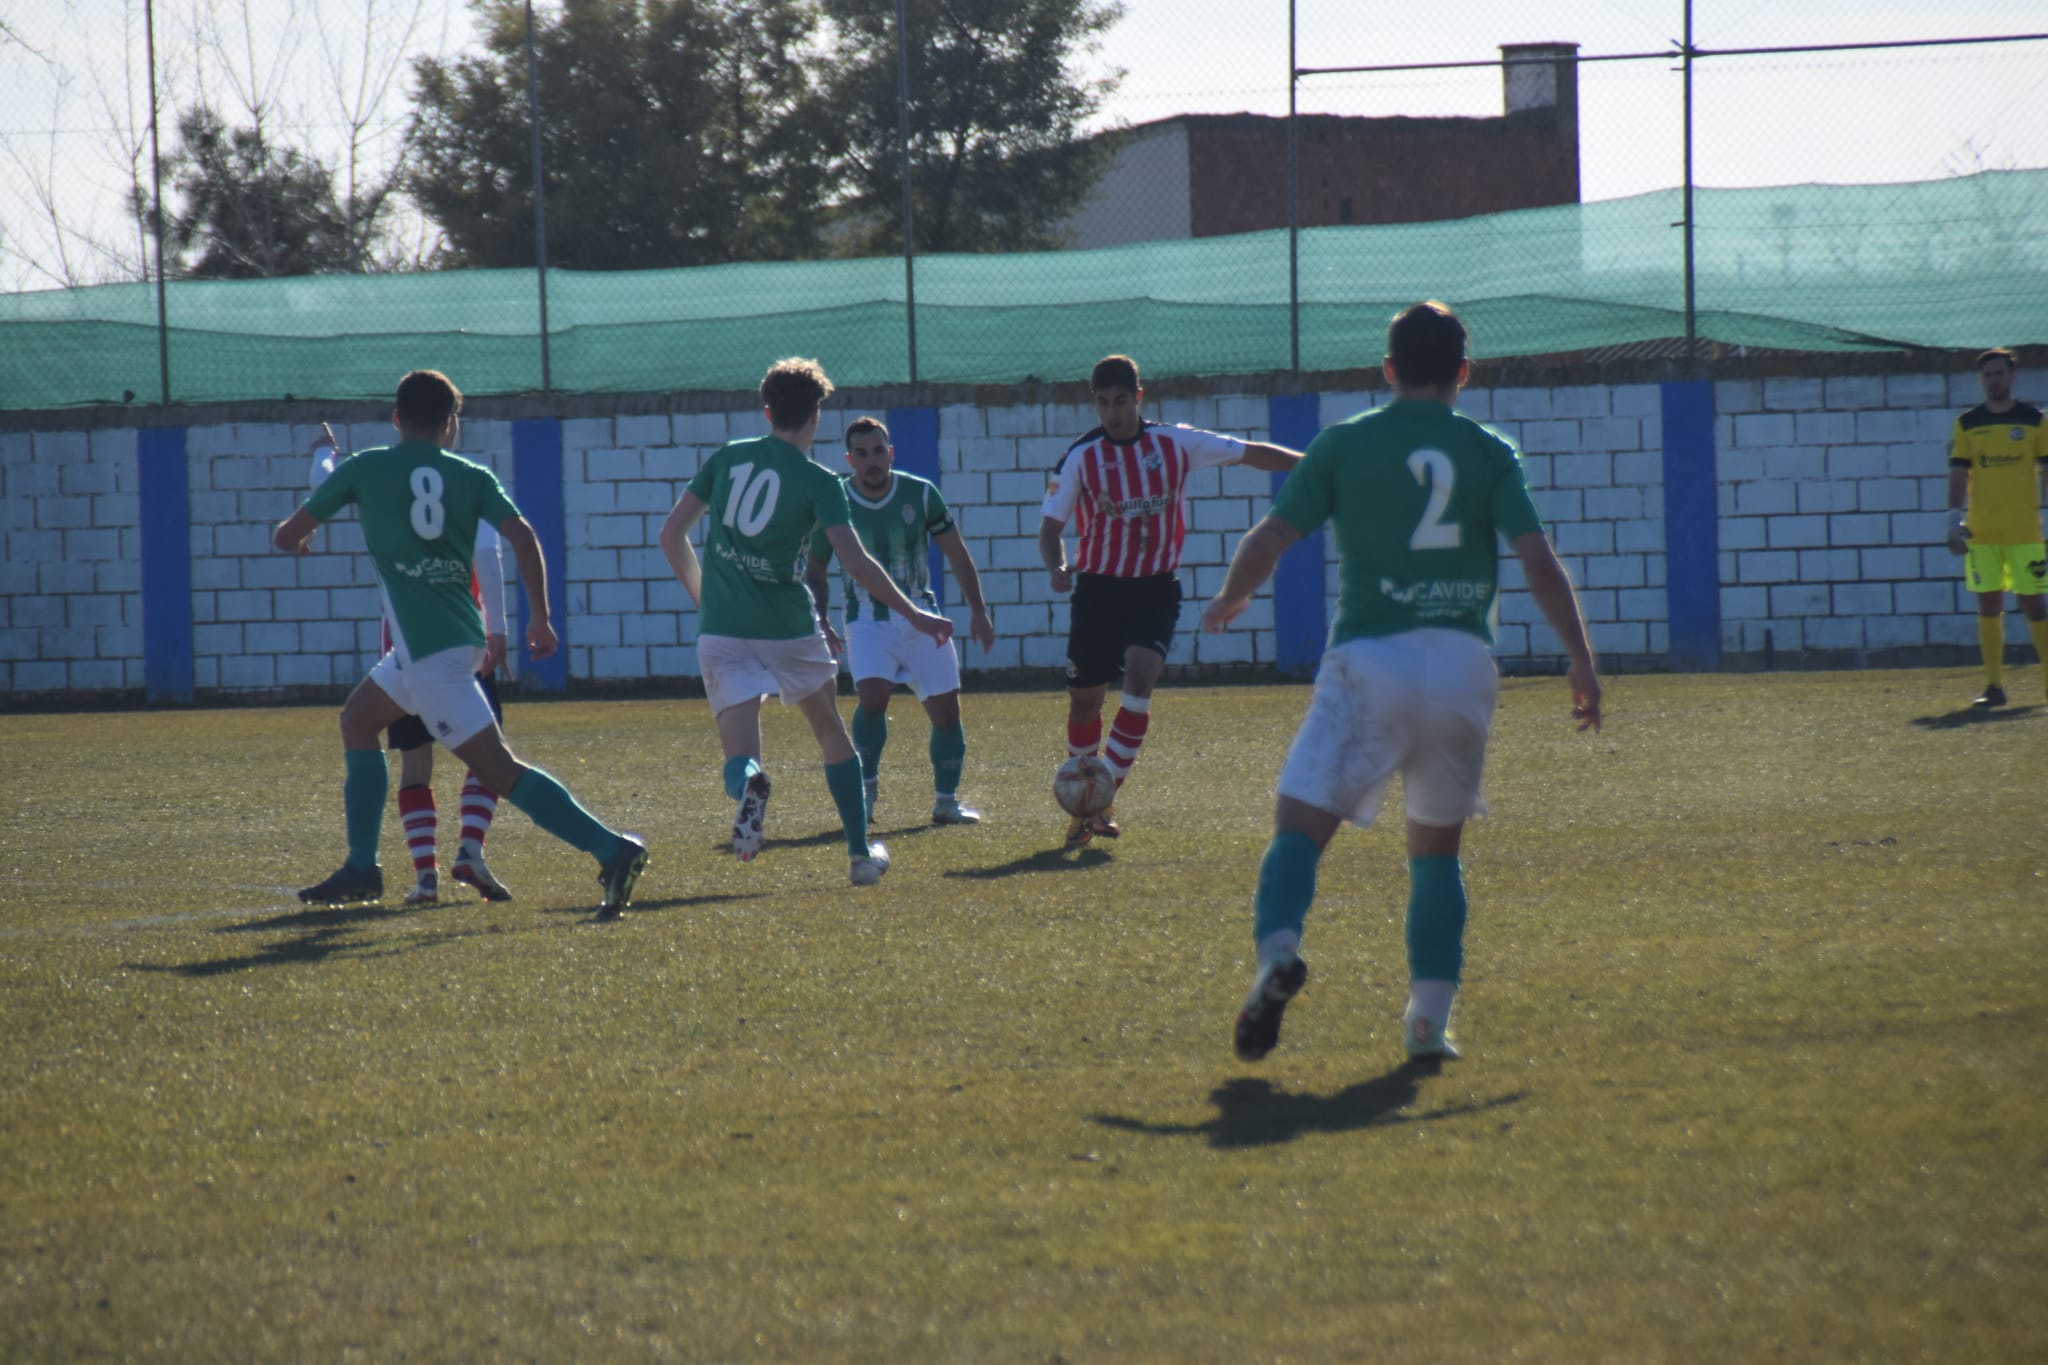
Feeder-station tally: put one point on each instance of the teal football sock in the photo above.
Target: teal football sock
(844, 781)
(737, 773)
(870, 733)
(949, 755)
(549, 804)
(1287, 884)
(363, 790)
(1436, 918)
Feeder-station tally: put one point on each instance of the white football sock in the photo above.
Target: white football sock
(1279, 945)
(1431, 1000)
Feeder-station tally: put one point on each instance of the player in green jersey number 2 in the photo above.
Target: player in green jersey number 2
(420, 506)
(1415, 494)
(757, 631)
(898, 518)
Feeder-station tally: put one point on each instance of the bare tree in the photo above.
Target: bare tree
(321, 77)
(366, 95)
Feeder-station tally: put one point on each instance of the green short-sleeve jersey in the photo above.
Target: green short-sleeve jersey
(420, 506)
(897, 529)
(764, 498)
(1416, 495)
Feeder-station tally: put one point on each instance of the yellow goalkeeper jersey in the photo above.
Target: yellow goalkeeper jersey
(2003, 452)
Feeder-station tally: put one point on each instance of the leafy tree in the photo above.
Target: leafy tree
(252, 209)
(996, 113)
(674, 132)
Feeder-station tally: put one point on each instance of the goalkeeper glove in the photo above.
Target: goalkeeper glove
(1958, 534)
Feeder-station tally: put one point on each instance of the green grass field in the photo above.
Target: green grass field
(1754, 1018)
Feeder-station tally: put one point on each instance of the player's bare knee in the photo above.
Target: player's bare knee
(943, 710)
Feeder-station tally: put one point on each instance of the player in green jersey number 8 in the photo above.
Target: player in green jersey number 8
(420, 506)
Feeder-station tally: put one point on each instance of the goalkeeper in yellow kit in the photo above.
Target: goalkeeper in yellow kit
(1997, 460)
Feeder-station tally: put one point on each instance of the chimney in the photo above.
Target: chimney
(1542, 76)
(1538, 76)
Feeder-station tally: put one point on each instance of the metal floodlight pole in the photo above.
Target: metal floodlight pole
(903, 151)
(1692, 362)
(156, 208)
(1293, 195)
(540, 201)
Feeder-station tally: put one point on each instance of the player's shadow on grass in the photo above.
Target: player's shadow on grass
(1975, 715)
(641, 907)
(1045, 860)
(1252, 1113)
(326, 934)
(830, 836)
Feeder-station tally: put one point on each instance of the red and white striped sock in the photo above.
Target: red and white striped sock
(1126, 735)
(479, 807)
(422, 828)
(1084, 739)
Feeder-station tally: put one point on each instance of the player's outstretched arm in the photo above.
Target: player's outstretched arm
(1271, 458)
(675, 545)
(872, 576)
(541, 640)
(1251, 566)
(1552, 588)
(980, 624)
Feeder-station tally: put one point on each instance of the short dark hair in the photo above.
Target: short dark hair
(2012, 362)
(1426, 342)
(860, 426)
(1114, 372)
(426, 400)
(794, 389)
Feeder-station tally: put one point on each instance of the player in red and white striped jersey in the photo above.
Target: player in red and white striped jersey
(1127, 484)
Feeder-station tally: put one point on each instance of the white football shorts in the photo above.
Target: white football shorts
(1419, 704)
(893, 649)
(737, 670)
(441, 690)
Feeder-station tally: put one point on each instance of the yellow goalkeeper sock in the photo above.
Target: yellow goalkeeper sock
(1991, 639)
(2039, 630)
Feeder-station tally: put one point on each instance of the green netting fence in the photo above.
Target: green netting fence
(1954, 263)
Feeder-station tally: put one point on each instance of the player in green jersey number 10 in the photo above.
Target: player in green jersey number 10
(757, 632)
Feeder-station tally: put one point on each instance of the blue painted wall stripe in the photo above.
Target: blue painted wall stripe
(914, 432)
(537, 484)
(164, 491)
(1692, 540)
(1299, 614)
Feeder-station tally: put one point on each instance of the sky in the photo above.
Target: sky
(72, 77)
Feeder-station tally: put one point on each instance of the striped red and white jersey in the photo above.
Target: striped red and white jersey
(1131, 497)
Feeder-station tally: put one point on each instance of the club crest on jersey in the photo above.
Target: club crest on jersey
(1153, 460)
(909, 515)
(2016, 434)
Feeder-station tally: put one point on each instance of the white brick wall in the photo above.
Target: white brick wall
(1830, 499)
(70, 550)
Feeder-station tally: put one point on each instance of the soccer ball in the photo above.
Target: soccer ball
(1084, 785)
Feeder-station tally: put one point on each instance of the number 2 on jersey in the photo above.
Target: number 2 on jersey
(1432, 469)
(429, 517)
(752, 500)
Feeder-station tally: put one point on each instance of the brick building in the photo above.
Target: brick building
(1209, 175)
